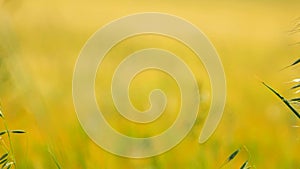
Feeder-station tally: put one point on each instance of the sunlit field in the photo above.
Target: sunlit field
(40, 42)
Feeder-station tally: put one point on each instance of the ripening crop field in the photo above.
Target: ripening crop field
(40, 42)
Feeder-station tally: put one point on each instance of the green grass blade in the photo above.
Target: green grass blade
(3, 161)
(2, 132)
(3, 156)
(294, 63)
(17, 131)
(231, 157)
(54, 159)
(286, 102)
(4, 164)
(296, 86)
(244, 165)
(295, 100)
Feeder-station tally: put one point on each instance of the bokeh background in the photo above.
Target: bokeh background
(41, 40)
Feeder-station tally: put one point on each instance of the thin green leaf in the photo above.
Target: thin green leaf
(3, 161)
(4, 164)
(54, 159)
(233, 155)
(3, 156)
(295, 99)
(296, 86)
(296, 62)
(2, 132)
(286, 102)
(17, 131)
(244, 165)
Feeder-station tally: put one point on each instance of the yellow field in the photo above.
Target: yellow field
(41, 40)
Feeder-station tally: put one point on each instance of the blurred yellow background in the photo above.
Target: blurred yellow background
(41, 40)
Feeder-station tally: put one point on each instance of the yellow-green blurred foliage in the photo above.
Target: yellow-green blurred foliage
(40, 42)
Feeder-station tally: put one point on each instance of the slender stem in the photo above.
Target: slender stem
(246, 149)
(10, 143)
(54, 158)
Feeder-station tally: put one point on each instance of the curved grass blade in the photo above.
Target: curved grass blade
(231, 157)
(296, 86)
(4, 164)
(295, 63)
(54, 159)
(244, 165)
(286, 102)
(3, 156)
(3, 161)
